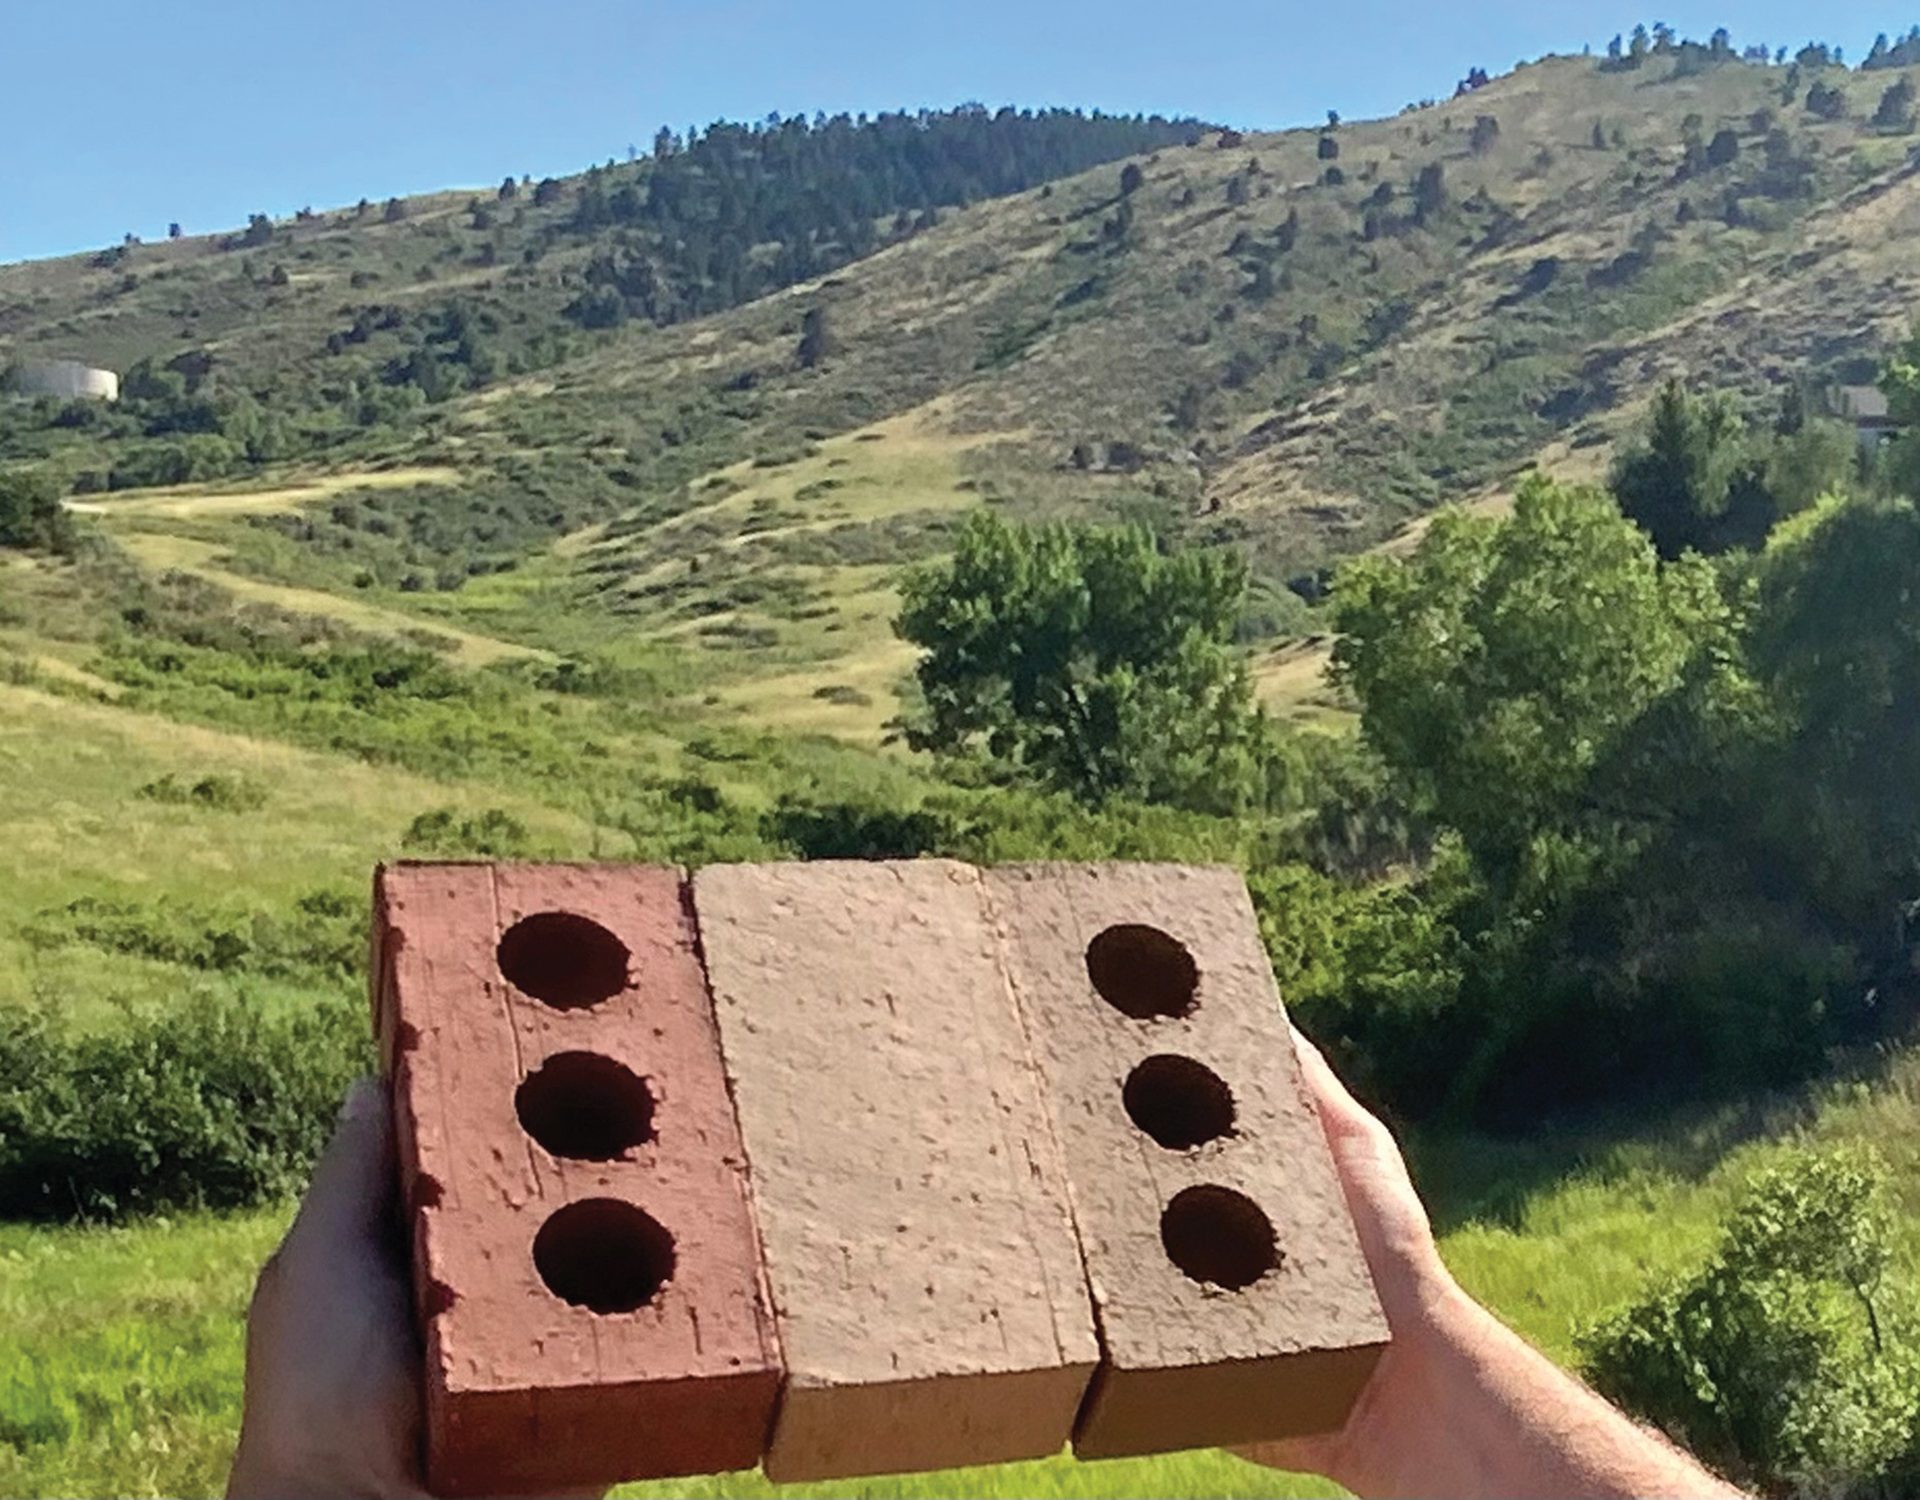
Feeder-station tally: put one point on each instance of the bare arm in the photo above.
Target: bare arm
(1460, 1404)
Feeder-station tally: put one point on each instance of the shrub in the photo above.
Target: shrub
(321, 937)
(214, 1103)
(228, 792)
(443, 833)
(1778, 1358)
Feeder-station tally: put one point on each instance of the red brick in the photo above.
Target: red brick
(527, 1392)
(1278, 1335)
(929, 1296)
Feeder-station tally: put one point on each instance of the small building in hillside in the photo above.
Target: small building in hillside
(1865, 406)
(65, 378)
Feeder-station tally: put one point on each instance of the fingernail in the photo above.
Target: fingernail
(362, 1101)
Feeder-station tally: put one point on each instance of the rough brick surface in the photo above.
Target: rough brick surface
(930, 1301)
(526, 1391)
(1187, 1363)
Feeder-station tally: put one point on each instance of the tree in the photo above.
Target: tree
(1131, 177)
(31, 512)
(1599, 137)
(1329, 147)
(508, 188)
(816, 338)
(1837, 645)
(1090, 659)
(1723, 149)
(1429, 191)
(173, 230)
(1895, 112)
(394, 212)
(1486, 131)
(1825, 101)
(1678, 482)
(1504, 661)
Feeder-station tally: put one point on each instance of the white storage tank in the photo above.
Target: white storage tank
(66, 378)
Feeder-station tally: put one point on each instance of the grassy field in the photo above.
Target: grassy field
(120, 1372)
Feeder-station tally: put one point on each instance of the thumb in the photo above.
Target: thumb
(352, 1185)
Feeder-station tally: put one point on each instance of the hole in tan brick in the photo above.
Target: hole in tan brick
(1179, 1102)
(566, 960)
(1141, 972)
(1219, 1237)
(604, 1255)
(584, 1105)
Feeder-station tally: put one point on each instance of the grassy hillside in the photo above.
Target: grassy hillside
(1239, 349)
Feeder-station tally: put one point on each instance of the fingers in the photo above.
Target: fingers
(352, 1182)
(1340, 1113)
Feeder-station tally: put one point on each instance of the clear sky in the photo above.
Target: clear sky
(122, 115)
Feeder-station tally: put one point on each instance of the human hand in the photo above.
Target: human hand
(333, 1364)
(1459, 1404)
(1417, 1293)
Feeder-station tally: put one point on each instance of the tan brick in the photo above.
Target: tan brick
(585, 1263)
(930, 1300)
(1181, 1114)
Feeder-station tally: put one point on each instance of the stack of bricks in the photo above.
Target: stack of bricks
(853, 1168)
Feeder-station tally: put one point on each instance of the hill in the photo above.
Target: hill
(1290, 343)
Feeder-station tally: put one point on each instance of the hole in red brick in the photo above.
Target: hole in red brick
(1179, 1102)
(584, 1105)
(1219, 1237)
(566, 960)
(1141, 972)
(604, 1255)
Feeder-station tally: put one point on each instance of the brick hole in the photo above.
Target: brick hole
(1178, 1102)
(604, 1255)
(583, 1105)
(1142, 973)
(565, 960)
(1219, 1237)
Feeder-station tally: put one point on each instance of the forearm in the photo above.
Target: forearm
(1494, 1417)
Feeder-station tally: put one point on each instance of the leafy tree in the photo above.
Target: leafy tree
(1091, 659)
(173, 230)
(1131, 177)
(508, 189)
(1599, 141)
(1723, 149)
(1499, 665)
(1329, 147)
(394, 212)
(31, 514)
(1836, 643)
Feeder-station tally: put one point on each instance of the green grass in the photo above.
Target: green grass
(120, 1369)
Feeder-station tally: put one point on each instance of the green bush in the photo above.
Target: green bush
(323, 936)
(444, 834)
(1785, 1358)
(212, 1103)
(228, 792)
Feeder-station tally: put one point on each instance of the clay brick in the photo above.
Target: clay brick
(635, 1205)
(929, 1296)
(1179, 1107)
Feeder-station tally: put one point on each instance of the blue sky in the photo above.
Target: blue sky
(124, 114)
